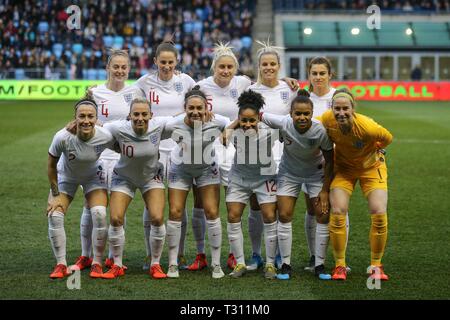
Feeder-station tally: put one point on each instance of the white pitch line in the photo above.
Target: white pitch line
(425, 141)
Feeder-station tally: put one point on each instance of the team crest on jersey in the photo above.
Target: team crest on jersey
(284, 95)
(359, 144)
(154, 138)
(178, 87)
(99, 149)
(128, 97)
(234, 93)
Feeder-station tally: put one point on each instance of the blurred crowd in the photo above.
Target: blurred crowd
(36, 42)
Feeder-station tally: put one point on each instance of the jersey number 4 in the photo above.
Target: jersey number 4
(105, 111)
(154, 98)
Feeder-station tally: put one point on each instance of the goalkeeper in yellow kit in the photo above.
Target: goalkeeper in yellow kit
(359, 155)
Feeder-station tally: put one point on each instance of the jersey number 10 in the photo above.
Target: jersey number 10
(127, 151)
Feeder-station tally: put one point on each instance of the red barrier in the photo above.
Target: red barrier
(395, 90)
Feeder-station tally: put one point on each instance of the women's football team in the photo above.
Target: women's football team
(264, 142)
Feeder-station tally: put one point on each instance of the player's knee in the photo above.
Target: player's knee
(284, 217)
(340, 210)
(211, 213)
(234, 216)
(323, 218)
(98, 214)
(157, 221)
(175, 214)
(116, 221)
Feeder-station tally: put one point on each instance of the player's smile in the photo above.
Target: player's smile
(301, 115)
(86, 117)
(269, 67)
(224, 70)
(195, 110)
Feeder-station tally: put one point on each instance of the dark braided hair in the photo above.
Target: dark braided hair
(302, 97)
(250, 100)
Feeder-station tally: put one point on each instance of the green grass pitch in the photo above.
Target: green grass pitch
(416, 258)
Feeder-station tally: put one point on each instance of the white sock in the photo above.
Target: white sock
(116, 243)
(199, 228)
(285, 241)
(57, 236)
(310, 231)
(215, 240)
(271, 241)
(86, 232)
(184, 223)
(110, 253)
(99, 232)
(322, 238)
(173, 240)
(236, 240)
(157, 237)
(255, 229)
(147, 229)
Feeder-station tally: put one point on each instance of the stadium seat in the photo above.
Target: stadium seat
(197, 26)
(92, 74)
(43, 27)
(118, 42)
(19, 74)
(77, 48)
(188, 27)
(246, 42)
(101, 74)
(178, 46)
(138, 41)
(57, 49)
(87, 53)
(85, 74)
(108, 41)
(98, 53)
(200, 14)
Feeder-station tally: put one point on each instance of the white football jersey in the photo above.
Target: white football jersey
(114, 106)
(302, 156)
(253, 157)
(166, 97)
(77, 157)
(278, 99)
(223, 101)
(139, 154)
(194, 150)
(323, 103)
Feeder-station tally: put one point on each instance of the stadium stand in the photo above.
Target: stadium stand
(34, 36)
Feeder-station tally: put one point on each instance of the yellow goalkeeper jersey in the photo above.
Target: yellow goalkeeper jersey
(359, 149)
